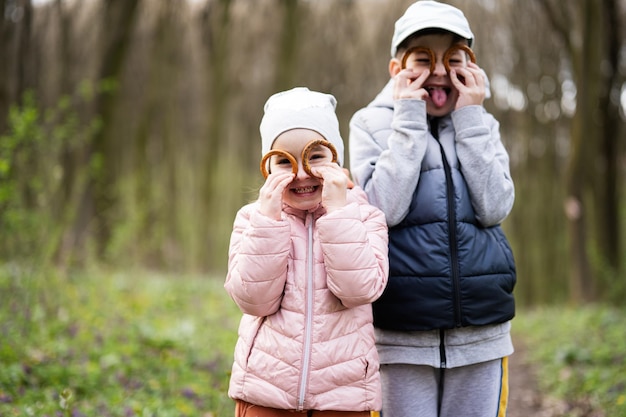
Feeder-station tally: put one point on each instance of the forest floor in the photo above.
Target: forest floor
(525, 395)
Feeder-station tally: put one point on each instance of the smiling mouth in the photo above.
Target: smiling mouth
(304, 190)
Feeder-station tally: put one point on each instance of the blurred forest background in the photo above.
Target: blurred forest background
(129, 128)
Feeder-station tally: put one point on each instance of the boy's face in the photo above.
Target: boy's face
(305, 191)
(442, 95)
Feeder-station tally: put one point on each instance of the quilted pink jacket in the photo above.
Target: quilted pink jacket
(305, 284)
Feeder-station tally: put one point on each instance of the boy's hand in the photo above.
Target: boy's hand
(271, 194)
(472, 89)
(335, 186)
(408, 84)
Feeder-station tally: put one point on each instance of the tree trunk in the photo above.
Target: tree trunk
(607, 184)
(288, 51)
(583, 153)
(592, 203)
(7, 29)
(25, 72)
(217, 22)
(99, 197)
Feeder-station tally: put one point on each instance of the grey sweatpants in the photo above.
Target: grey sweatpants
(479, 390)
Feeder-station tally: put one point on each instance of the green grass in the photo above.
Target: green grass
(115, 344)
(580, 356)
(127, 344)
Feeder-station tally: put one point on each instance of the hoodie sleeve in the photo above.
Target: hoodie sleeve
(257, 262)
(388, 169)
(484, 163)
(354, 243)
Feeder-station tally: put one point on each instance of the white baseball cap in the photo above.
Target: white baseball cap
(429, 14)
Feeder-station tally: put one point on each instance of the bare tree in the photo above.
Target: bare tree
(25, 73)
(289, 41)
(100, 193)
(5, 37)
(589, 32)
(15, 25)
(216, 23)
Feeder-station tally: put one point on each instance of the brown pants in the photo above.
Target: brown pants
(244, 409)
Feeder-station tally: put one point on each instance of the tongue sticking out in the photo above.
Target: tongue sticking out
(438, 96)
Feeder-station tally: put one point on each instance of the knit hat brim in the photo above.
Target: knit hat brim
(301, 108)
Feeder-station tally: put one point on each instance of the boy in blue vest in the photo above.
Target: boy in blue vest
(429, 155)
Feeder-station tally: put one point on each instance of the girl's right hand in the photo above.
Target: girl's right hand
(271, 194)
(408, 84)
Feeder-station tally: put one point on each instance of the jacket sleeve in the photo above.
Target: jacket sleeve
(354, 243)
(257, 262)
(388, 170)
(484, 163)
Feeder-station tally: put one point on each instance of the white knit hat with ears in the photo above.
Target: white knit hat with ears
(428, 14)
(301, 108)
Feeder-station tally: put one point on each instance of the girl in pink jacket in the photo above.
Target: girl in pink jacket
(306, 260)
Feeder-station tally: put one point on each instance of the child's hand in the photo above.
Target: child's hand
(408, 84)
(472, 89)
(350, 182)
(335, 186)
(271, 194)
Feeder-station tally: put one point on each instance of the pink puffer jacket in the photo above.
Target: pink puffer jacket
(305, 284)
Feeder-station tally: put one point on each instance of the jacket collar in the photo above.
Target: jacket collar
(302, 214)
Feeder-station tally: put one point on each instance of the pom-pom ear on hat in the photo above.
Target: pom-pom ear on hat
(301, 108)
(429, 14)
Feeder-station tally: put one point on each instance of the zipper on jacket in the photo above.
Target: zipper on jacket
(453, 244)
(308, 323)
(442, 369)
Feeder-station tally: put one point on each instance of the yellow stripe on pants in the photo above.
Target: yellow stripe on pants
(504, 388)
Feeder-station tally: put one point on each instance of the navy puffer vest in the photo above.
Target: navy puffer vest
(446, 270)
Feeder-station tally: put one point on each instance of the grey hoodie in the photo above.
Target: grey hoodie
(387, 150)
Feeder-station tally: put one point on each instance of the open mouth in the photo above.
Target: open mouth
(304, 190)
(438, 95)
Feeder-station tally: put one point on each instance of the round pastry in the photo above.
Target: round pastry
(418, 49)
(309, 147)
(454, 48)
(292, 160)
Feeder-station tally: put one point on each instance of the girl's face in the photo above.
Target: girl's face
(442, 94)
(305, 191)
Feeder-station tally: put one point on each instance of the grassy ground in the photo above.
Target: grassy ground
(103, 344)
(140, 344)
(579, 356)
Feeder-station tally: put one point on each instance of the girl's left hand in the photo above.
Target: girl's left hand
(334, 187)
(472, 89)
